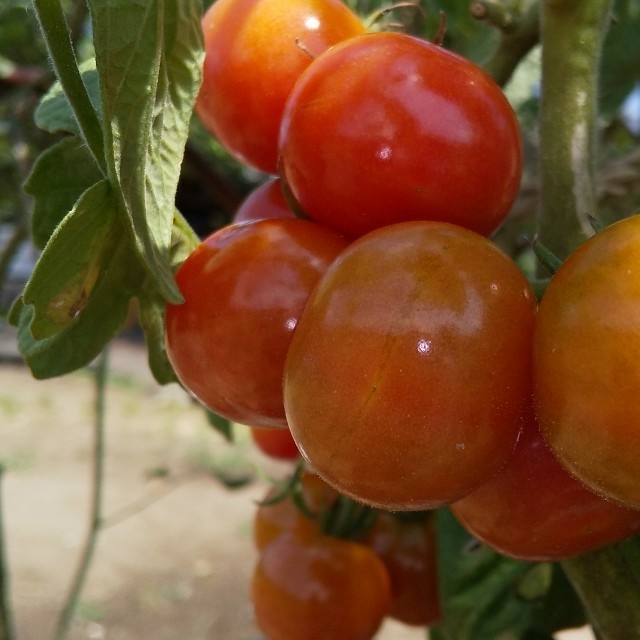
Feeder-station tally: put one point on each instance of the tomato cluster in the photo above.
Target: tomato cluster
(380, 324)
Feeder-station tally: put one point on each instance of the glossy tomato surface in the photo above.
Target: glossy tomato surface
(275, 443)
(408, 548)
(244, 288)
(407, 374)
(534, 510)
(386, 128)
(255, 51)
(273, 519)
(265, 201)
(587, 362)
(319, 589)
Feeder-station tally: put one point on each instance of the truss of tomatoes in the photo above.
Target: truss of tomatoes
(380, 324)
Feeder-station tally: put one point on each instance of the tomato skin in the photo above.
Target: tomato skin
(275, 443)
(244, 288)
(319, 589)
(586, 363)
(252, 61)
(410, 366)
(273, 520)
(408, 549)
(266, 201)
(533, 509)
(400, 129)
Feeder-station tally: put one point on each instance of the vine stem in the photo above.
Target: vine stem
(572, 35)
(95, 523)
(57, 37)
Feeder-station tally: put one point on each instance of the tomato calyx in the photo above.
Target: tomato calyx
(376, 16)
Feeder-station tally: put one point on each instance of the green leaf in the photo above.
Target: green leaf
(54, 113)
(149, 57)
(56, 191)
(72, 262)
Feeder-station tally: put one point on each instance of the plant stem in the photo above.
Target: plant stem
(57, 37)
(95, 523)
(572, 36)
(6, 621)
(610, 589)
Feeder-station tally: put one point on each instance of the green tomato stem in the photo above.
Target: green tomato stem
(572, 34)
(57, 37)
(610, 590)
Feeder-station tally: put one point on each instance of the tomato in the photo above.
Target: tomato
(266, 201)
(255, 51)
(410, 366)
(407, 546)
(275, 443)
(244, 288)
(534, 510)
(320, 588)
(386, 127)
(587, 362)
(273, 520)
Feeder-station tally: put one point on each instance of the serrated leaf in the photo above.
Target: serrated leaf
(54, 113)
(59, 177)
(72, 262)
(149, 57)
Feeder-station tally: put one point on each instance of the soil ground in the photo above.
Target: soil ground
(174, 558)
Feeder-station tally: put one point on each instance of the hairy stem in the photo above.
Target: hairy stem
(572, 33)
(95, 523)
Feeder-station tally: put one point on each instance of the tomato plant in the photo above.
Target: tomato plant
(244, 288)
(275, 443)
(534, 509)
(586, 354)
(255, 51)
(416, 342)
(266, 201)
(319, 588)
(407, 545)
(385, 128)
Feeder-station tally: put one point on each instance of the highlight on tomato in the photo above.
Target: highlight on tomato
(533, 509)
(386, 127)
(265, 201)
(587, 363)
(244, 288)
(408, 373)
(320, 588)
(255, 50)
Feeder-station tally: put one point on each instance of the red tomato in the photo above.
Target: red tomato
(244, 288)
(320, 588)
(534, 510)
(409, 551)
(386, 127)
(255, 51)
(275, 443)
(410, 366)
(273, 520)
(587, 362)
(266, 201)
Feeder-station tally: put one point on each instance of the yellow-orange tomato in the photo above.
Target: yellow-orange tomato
(255, 51)
(319, 588)
(408, 549)
(409, 370)
(587, 362)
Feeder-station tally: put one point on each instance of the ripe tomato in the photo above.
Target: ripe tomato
(319, 588)
(244, 288)
(255, 51)
(587, 362)
(273, 520)
(386, 127)
(408, 549)
(410, 366)
(275, 443)
(534, 510)
(266, 201)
